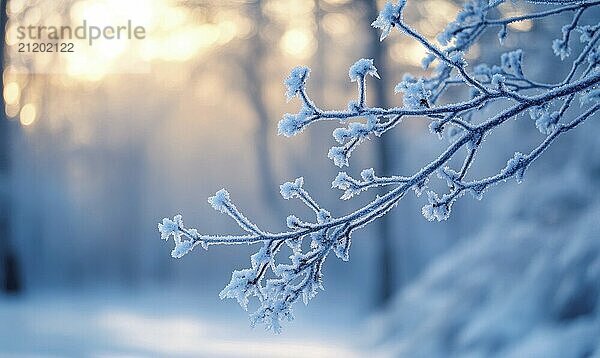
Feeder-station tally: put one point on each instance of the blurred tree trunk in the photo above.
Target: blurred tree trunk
(8, 260)
(387, 155)
(320, 60)
(318, 70)
(255, 91)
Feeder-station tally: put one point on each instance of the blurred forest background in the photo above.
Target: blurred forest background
(95, 149)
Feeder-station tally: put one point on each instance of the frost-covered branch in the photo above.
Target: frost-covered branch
(277, 286)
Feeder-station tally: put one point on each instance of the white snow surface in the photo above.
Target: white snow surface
(154, 323)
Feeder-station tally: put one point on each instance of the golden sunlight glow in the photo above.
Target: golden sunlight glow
(94, 12)
(28, 114)
(336, 24)
(15, 6)
(522, 26)
(172, 18)
(227, 31)
(207, 34)
(33, 16)
(172, 33)
(11, 35)
(91, 69)
(439, 12)
(11, 93)
(15, 73)
(11, 110)
(410, 53)
(298, 42)
(289, 11)
(337, 2)
(509, 10)
(93, 63)
(148, 14)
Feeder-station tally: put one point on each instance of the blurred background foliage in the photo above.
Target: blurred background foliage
(98, 145)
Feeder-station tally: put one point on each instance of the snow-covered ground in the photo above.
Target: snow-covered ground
(161, 323)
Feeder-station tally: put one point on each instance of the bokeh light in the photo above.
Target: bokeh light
(298, 42)
(11, 93)
(28, 114)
